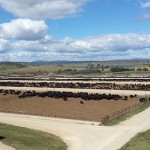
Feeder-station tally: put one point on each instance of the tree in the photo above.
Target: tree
(145, 69)
(102, 67)
(107, 66)
(90, 66)
(98, 65)
(139, 69)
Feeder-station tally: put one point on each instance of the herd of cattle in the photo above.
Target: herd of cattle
(79, 85)
(66, 95)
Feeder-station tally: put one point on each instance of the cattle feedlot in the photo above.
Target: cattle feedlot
(74, 75)
(77, 105)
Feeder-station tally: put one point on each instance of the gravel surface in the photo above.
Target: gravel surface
(80, 136)
(77, 81)
(5, 147)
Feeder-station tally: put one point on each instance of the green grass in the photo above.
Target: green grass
(27, 139)
(128, 115)
(140, 142)
(50, 68)
(2, 68)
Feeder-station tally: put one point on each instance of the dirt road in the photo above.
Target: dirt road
(76, 81)
(5, 147)
(84, 136)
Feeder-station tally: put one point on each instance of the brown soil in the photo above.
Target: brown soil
(90, 110)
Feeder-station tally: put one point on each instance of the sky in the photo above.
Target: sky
(74, 30)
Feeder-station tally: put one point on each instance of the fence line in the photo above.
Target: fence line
(120, 112)
(53, 116)
(102, 120)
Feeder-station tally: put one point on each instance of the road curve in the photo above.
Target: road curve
(80, 136)
(100, 91)
(5, 147)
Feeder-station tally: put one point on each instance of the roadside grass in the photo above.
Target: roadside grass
(140, 142)
(26, 139)
(128, 115)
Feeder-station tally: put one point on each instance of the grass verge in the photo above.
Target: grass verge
(140, 142)
(128, 115)
(27, 139)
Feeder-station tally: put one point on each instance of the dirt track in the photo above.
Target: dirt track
(5, 147)
(84, 136)
(77, 81)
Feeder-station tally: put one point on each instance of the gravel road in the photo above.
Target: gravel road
(5, 147)
(81, 136)
(77, 81)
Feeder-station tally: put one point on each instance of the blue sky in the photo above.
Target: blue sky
(74, 29)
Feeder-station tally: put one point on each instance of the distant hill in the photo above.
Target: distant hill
(120, 62)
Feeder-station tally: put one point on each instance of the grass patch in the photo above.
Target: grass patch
(2, 68)
(140, 142)
(128, 115)
(27, 139)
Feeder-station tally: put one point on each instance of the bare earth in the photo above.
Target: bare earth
(84, 136)
(90, 110)
(77, 81)
(79, 135)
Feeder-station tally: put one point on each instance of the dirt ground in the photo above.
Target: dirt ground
(90, 110)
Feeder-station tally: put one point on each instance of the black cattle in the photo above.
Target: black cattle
(142, 99)
(81, 102)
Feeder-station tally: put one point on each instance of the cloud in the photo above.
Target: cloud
(145, 4)
(41, 9)
(23, 29)
(144, 17)
(111, 46)
(4, 46)
(113, 42)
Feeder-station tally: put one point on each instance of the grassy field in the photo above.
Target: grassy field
(35, 70)
(140, 142)
(128, 115)
(27, 139)
(3, 67)
(47, 68)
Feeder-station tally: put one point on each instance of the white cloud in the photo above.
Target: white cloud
(34, 46)
(23, 29)
(4, 46)
(112, 46)
(144, 17)
(145, 4)
(113, 42)
(40, 9)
